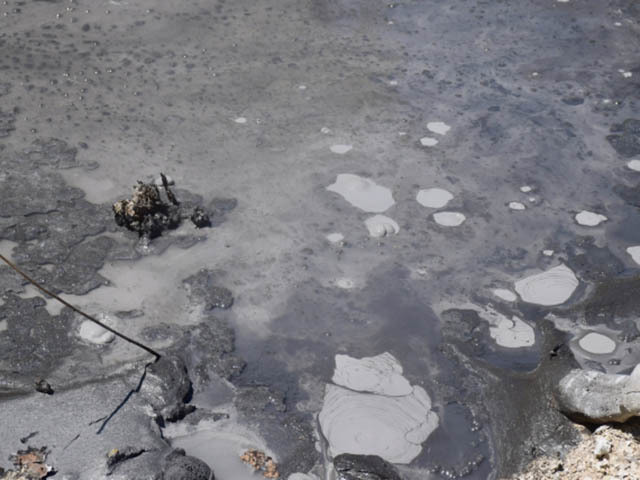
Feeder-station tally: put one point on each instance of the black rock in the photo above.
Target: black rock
(200, 218)
(178, 466)
(364, 467)
(43, 386)
(166, 386)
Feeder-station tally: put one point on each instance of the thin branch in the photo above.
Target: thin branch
(77, 310)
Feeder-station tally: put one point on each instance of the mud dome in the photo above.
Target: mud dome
(357, 161)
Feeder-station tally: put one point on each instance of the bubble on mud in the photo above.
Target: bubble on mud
(597, 343)
(553, 287)
(94, 333)
(240, 120)
(449, 219)
(428, 142)
(341, 149)
(433, 197)
(393, 428)
(325, 130)
(516, 206)
(381, 226)
(525, 189)
(440, 128)
(393, 83)
(362, 193)
(381, 374)
(634, 165)
(335, 237)
(635, 253)
(345, 283)
(504, 294)
(589, 219)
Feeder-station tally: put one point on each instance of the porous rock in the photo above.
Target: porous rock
(364, 467)
(178, 466)
(596, 397)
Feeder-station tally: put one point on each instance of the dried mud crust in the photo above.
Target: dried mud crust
(610, 452)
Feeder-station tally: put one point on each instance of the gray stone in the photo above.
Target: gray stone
(596, 397)
(364, 467)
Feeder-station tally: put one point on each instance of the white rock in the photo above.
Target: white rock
(393, 428)
(634, 165)
(590, 219)
(428, 142)
(381, 374)
(547, 253)
(449, 219)
(393, 83)
(335, 237)
(240, 120)
(552, 287)
(94, 333)
(325, 130)
(433, 197)
(635, 253)
(504, 294)
(440, 128)
(362, 193)
(516, 206)
(341, 149)
(602, 447)
(525, 188)
(597, 343)
(381, 225)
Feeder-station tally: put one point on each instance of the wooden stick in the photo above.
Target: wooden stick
(77, 310)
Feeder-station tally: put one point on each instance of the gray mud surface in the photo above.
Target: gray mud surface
(240, 102)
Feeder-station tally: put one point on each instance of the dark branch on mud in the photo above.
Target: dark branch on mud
(77, 310)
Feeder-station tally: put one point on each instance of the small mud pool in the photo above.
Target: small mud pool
(382, 235)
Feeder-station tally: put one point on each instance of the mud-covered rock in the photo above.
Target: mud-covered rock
(203, 288)
(625, 137)
(596, 397)
(178, 466)
(166, 385)
(33, 341)
(364, 467)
